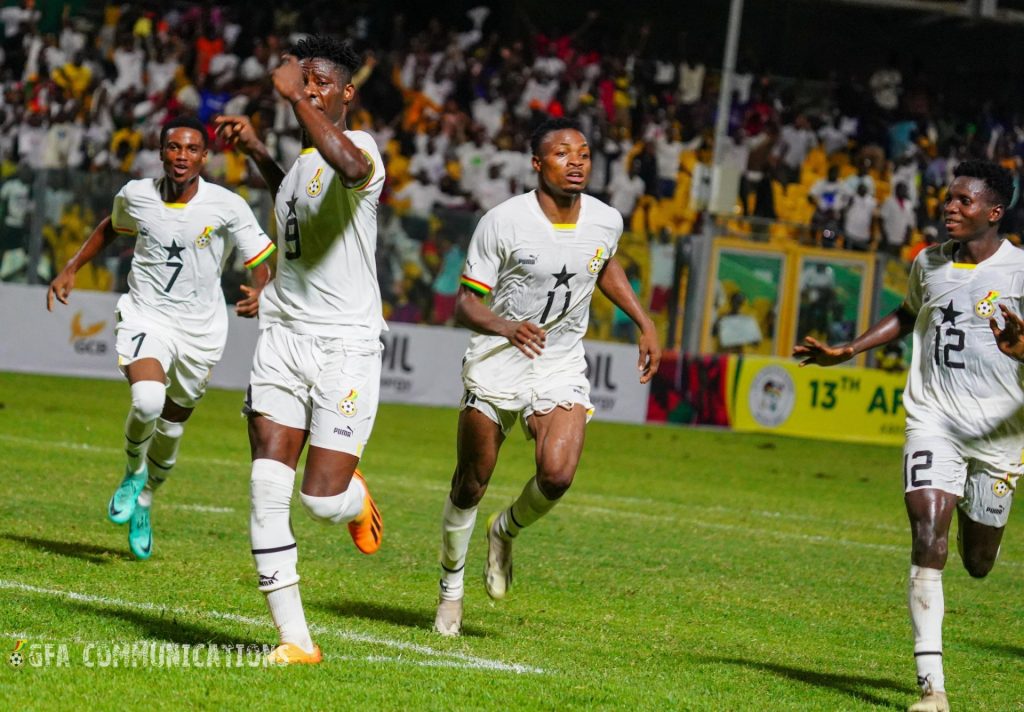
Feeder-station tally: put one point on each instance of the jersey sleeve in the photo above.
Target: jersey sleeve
(912, 303)
(365, 143)
(484, 257)
(121, 218)
(247, 234)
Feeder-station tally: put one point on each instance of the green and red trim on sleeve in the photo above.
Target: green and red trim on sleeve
(475, 285)
(263, 255)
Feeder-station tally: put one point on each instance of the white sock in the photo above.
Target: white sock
(163, 453)
(339, 508)
(147, 404)
(530, 506)
(926, 611)
(274, 549)
(456, 531)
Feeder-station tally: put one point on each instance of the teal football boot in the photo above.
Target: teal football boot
(122, 504)
(140, 533)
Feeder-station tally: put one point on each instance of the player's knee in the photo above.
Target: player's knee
(148, 400)
(979, 566)
(469, 484)
(270, 491)
(555, 482)
(332, 510)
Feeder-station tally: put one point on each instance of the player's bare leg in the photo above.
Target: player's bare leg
(559, 436)
(147, 380)
(334, 492)
(275, 452)
(478, 443)
(978, 545)
(930, 512)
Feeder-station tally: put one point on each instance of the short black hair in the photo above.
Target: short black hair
(338, 52)
(184, 121)
(997, 179)
(548, 127)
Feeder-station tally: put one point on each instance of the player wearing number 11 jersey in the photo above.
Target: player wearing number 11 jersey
(537, 258)
(172, 324)
(964, 399)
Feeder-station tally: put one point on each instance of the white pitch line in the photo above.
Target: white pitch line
(201, 508)
(466, 661)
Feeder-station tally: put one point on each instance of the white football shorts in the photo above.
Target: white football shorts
(984, 482)
(505, 412)
(327, 386)
(187, 361)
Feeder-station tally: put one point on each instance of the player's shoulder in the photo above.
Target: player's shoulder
(140, 189)
(220, 195)
(516, 209)
(364, 141)
(600, 213)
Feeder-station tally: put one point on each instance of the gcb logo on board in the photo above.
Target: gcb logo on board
(771, 396)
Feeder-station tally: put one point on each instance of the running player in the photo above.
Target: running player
(538, 257)
(316, 371)
(964, 399)
(172, 324)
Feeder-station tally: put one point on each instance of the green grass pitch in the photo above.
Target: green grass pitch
(685, 570)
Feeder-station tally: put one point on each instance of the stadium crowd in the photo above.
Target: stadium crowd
(857, 164)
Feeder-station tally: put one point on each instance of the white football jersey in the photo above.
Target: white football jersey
(181, 248)
(539, 272)
(326, 282)
(960, 384)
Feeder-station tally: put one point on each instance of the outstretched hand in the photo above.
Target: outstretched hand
(813, 351)
(1009, 338)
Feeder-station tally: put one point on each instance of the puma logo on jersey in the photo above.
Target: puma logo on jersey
(79, 332)
(596, 262)
(986, 308)
(315, 185)
(347, 406)
(528, 260)
(204, 239)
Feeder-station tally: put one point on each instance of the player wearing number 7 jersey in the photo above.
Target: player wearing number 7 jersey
(316, 370)
(172, 324)
(964, 399)
(537, 258)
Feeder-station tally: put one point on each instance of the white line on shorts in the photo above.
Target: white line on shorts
(447, 658)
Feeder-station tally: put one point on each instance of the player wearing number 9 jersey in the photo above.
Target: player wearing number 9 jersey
(964, 399)
(316, 370)
(172, 324)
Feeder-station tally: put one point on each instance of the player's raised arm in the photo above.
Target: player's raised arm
(471, 312)
(64, 282)
(318, 90)
(238, 131)
(615, 285)
(891, 327)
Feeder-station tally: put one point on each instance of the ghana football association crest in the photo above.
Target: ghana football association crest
(596, 262)
(986, 307)
(205, 237)
(315, 185)
(1004, 485)
(347, 406)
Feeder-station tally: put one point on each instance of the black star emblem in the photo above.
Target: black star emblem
(291, 205)
(174, 251)
(562, 278)
(949, 314)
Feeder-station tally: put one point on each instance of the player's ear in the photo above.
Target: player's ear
(996, 214)
(535, 162)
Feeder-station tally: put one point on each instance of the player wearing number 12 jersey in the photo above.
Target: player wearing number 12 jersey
(316, 370)
(538, 258)
(964, 399)
(172, 324)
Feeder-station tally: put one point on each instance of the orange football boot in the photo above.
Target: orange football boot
(367, 529)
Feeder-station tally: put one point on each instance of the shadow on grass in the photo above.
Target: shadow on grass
(856, 686)
(410, 618)
(168, 626)
(92, 553)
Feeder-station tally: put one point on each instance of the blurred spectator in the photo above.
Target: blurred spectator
(858, 219)
(826, 195)
(16, 204)
(898, 220)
